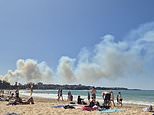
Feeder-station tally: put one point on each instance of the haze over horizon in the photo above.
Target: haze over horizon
(103, 43)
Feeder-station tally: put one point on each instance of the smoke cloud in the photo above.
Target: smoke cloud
(110, 59)
(29, 71)
(65, 69)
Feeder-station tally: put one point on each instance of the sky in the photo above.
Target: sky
(71, 38)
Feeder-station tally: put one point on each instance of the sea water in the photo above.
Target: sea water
(141, 97)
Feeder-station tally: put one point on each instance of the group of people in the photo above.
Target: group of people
(15, 99)
(60, 95)
(108, 97)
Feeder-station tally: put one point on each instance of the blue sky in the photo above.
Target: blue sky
(46, 30)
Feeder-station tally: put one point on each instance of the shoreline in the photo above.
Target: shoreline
(54, 96)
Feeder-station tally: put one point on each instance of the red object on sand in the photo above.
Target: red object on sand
(85, 108)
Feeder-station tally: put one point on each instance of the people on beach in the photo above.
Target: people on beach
(2, 93)
(148, 109)
(103, 94)
(81, 101)
(119, 99)
(107, 99)
(17, 92)
(16, 101)
(31, 89)
(60, 94)
(93, 93)
(112, 98)
(12, 96)
(70, 96)
(93, 103)
(88, 96)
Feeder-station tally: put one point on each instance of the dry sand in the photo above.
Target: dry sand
(44, 107)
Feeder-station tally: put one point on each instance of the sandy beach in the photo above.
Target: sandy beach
(44, 106)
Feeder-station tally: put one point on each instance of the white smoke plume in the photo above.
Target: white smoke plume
(110, 59)
(65, 69)
(29, 71)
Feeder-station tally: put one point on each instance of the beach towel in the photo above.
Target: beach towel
(66, 106)
(58, 106)
(111, 110)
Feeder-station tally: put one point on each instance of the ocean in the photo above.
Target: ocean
(140, 97)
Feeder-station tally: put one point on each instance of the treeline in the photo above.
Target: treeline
(6, 85)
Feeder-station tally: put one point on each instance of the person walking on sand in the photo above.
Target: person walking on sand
(60, 94)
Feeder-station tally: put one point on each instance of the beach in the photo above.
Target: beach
(44, 106)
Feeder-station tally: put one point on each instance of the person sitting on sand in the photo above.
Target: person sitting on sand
(148, 109)
(69, 96)
(94, 103)
(81, 101)
(2, 93)
(10, 97)
(16, 101)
